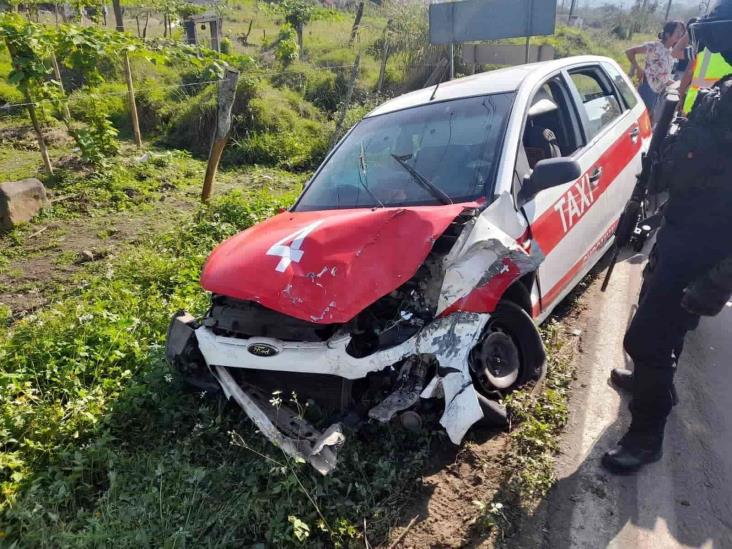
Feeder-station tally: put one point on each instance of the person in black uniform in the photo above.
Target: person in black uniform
(691, 274)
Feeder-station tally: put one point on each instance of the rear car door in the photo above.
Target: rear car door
(616, 127)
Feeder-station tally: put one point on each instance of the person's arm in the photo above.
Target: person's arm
(708, 294)
(679, 50)
(630, 54)
(685, 84)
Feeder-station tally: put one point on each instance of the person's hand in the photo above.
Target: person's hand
(636, 75)
(704, 298)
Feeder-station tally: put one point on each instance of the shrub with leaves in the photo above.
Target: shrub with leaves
(287, 48)
(97, 141)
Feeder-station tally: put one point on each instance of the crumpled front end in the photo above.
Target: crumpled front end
(399, 354)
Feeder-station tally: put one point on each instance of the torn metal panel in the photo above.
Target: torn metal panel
(407, 393)
(296, 437)
(448, 339)
(486, 260)
(451, 342)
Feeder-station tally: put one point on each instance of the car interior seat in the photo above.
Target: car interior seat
(540, 142)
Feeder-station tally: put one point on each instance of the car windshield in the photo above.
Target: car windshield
(432, 154)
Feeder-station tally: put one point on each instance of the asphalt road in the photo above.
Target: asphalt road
(683, 501)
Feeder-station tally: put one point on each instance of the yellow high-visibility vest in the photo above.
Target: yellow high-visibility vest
(709, 68)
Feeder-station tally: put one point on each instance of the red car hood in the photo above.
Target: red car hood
(326, 266)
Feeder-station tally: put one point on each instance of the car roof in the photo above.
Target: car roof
(497, 81)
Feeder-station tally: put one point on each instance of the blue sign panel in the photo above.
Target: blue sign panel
(475, 20)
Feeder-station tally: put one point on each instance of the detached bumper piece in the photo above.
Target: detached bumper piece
(295, 436)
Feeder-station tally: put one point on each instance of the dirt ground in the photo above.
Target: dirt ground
(51, 252)
(454, 480)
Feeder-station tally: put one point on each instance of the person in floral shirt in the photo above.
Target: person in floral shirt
(660, 58)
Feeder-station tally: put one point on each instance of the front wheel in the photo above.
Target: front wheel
(509, 353)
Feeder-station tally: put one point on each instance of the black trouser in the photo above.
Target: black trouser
(656, 334)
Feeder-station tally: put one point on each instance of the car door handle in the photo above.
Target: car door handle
(595, 176)
(634, 134)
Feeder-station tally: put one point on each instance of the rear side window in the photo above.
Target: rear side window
(598, 100)
(623, 87)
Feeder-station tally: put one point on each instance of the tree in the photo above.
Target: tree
(298, 13)
(118, 19)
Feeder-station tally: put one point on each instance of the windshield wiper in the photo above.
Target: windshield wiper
(362, 177)
(419, 178)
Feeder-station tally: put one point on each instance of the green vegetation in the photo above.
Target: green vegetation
(102, 446)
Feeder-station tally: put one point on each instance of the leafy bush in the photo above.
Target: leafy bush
(97, 141)
(322, 87)
(193, 125)
(155, 107)
(226, 46)
(286, 50)
(283, 130)
(274, 127)
(109, 98)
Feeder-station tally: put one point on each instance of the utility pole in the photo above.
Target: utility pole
(572, 7)
(452, 60)
(668, 10)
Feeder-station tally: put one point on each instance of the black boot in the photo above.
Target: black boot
(633, 452)
(623, 379)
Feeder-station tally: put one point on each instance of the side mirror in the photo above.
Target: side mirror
(547, 174)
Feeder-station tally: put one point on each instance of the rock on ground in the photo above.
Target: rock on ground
(20, 201)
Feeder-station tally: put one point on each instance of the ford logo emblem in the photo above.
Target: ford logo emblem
(262, 349)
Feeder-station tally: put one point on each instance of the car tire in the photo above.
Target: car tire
(510, 352)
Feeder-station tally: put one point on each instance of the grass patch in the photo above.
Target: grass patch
(102, 446)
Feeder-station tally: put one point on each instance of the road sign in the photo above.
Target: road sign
(475, 20)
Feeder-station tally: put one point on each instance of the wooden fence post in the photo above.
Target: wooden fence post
(346, 101)
(384, 57)
(356, 23)
(39, 133)
(131, 100)
(227, 94)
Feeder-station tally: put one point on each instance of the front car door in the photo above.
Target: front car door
(573, 223)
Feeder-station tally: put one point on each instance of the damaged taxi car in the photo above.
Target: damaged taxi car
(408, 279)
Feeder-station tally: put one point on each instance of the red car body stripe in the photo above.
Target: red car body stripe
(557, 289)
(548, 230)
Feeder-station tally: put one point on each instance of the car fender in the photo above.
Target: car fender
(489, 257)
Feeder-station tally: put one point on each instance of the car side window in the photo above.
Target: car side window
(551, 130)
(550, 122)
(621, 83)
(599, 102)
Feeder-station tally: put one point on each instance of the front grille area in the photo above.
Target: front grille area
(235, 318)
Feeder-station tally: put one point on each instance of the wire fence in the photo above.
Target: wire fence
(72, 97)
